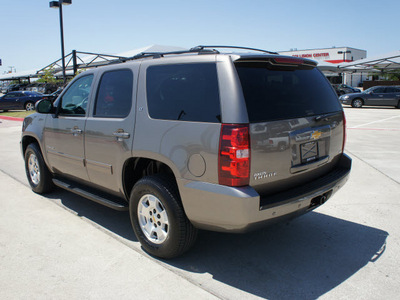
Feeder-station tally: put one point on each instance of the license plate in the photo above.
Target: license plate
(309, 152)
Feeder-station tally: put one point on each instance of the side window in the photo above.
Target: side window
(379, 90)
(114, 95)
(74, 101)
(392, 90)
(9, 96)
(187, 92)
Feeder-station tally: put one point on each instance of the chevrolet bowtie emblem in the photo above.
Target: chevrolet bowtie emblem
(316, 135)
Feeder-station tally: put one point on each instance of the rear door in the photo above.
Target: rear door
(296, 123)
(392, 96)
(109, 128)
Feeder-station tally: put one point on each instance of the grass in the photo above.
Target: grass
(17, 114)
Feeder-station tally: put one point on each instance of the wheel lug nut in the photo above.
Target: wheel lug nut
(150, 213)
(159, 223)
(154, 211)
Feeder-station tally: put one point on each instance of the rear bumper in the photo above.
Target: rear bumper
(221, 208)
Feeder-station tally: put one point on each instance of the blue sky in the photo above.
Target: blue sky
(30, 33)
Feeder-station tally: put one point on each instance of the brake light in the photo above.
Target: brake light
(234, 155)
(344, 131)
(289, 60)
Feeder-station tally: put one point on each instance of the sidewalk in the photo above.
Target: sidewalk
(65, 257)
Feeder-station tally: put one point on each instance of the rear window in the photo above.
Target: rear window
(284, 93)
(186, 92)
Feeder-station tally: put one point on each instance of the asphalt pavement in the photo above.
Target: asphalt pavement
(63, 246)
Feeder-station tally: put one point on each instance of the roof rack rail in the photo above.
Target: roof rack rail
(202, 47)
(162, 54)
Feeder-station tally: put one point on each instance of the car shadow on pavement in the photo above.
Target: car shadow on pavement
(117, 222)
(303, 259)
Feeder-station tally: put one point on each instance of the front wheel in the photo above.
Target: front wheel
(39, 176)
(357, 103)
(158, 218)
(29, 106)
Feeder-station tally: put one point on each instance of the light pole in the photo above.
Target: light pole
(58, 4)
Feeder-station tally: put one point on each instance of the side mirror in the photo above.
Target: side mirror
(45, 106)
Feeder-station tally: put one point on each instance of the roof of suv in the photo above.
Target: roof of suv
(201, 50)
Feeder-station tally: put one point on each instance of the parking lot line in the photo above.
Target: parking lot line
(373, 122)
(379, 129)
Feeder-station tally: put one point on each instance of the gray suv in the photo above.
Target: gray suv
(190, 140)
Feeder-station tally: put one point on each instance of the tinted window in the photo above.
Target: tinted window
(187, 92)
(74, 101)
(273, 94)
(392, 90)
(114, 96)
(379, 90)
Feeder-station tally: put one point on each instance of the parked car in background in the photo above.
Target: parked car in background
(41, 87)
(377, 95)
(19, 100)
(53, 96)
(15, 87)
(342, 89)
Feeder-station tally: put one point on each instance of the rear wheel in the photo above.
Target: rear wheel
(29, 106)
(357, 103)
(39, 176)
(158, 218)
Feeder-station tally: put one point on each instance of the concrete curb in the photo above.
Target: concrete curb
(11, 118)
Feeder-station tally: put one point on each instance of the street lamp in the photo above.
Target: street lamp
(58, 4)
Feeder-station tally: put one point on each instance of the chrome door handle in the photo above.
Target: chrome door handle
(76, 131)
(121, 135)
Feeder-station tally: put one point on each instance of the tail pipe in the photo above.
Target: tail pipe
(319, 200)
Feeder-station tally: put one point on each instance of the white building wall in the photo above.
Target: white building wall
(333, 55)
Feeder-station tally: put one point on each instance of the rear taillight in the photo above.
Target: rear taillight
(344, 131)
(234, 155)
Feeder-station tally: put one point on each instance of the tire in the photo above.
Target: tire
(281, 147)
(29, 106)
(357, 103)
(39, 176)
(158, 218)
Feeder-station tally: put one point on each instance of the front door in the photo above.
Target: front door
(64, 132)
(109, 128)
(377, 97)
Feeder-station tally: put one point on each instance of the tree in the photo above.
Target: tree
(48, 76)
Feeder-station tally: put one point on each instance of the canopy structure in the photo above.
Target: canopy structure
(83, 60)
(385, 62)
(19, 75)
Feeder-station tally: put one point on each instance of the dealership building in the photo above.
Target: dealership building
(334, 55)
